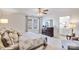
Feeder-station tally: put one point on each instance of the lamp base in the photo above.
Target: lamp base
(73, 34)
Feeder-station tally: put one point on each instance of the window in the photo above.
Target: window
(64, 22)
(48, 22)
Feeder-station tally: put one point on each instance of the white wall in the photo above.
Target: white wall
(16, 21)
(56, 26)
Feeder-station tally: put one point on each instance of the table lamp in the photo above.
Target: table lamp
(72, 26)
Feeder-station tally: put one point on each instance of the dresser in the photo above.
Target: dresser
(49, 31)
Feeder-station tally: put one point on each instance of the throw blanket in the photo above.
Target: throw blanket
(30, 41)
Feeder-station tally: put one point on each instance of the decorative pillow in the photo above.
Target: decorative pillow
(11, 38)
(5, 35)
(15, 37)
(10, 35)
(1, 44)
(2, 31)
(6, 40)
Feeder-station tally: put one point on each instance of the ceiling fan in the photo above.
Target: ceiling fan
(42, 10)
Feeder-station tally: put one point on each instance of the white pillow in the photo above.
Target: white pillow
(15, 37)
(11, 38)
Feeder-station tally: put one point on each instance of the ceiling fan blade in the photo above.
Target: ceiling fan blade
(44, 13)
(45, 10)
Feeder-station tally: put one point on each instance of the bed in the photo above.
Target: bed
(34, 41)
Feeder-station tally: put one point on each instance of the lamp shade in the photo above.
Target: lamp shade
(3, 20)
(72, 25)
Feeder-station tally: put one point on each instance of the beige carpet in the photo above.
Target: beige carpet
(48, 47)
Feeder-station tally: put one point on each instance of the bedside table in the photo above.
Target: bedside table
(69, 37)
(75, 38)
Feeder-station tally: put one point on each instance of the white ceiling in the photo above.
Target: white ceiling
(51, 11)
